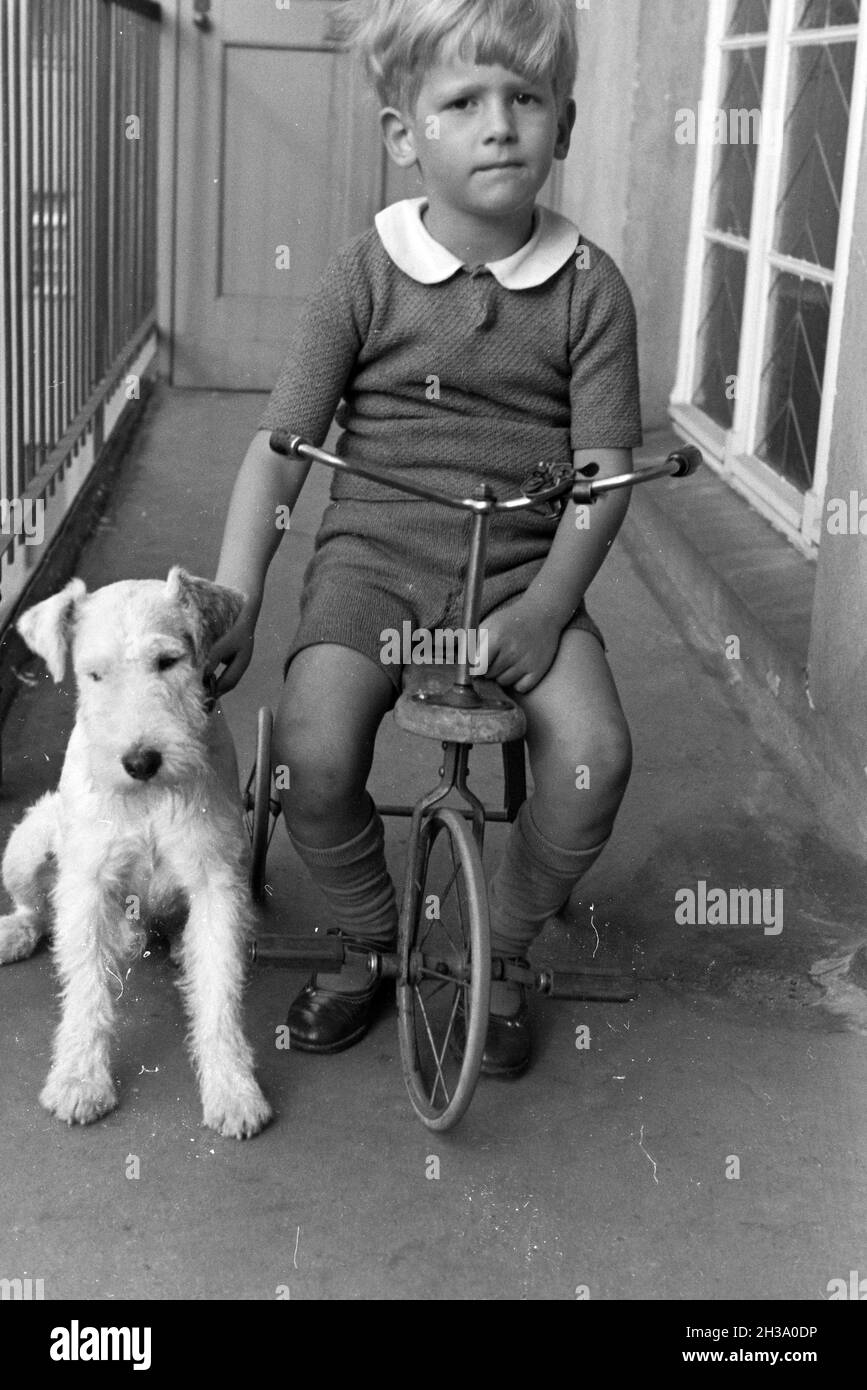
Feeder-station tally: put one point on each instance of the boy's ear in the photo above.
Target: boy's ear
(398, 138)
(564, 129)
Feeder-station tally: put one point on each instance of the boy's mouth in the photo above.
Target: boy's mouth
(501, 164)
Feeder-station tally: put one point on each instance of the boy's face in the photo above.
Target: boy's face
(484, 137)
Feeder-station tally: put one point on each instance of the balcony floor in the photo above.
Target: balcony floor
(603, 1167)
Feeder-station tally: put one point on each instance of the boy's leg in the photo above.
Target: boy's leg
(580, 755)
(333, 701)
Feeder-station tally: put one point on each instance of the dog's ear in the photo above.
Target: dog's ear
(47, 627)
(213, 607)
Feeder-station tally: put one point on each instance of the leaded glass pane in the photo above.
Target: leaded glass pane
(824, 14)
(719, 334)
(748, 17)
(791, 382)
(731, 195)
(814, 152)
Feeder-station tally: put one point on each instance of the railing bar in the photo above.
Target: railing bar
(66, 128)
(127, 169)
(121, 66)
(88, 196)
(110, 263)
(102, 209)
(75, 209)
(23, 63)
(46, 439)
(56, 99)
(153, 108)
(30, 194)
(140, 158)
(7, 327)
(41, 326)
(49, 109)
(55, 95)
(116, 261)
(14, 414)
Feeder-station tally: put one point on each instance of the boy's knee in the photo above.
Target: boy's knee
(318, 765)
(598, 761)
(610, 754)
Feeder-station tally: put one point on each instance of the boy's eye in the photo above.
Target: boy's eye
(525, 98)
(165, 663)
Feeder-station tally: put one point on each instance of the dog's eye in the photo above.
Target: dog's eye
(94, 676)
(165, 663)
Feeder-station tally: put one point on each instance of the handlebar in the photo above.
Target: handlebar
(548, 484)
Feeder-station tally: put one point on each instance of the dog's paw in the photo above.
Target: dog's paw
(238, 1112)
(78, 1100)
(20, 934)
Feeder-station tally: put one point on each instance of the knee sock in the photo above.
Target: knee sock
(356, 885)
(533, 881)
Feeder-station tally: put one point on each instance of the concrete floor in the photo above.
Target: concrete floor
(604, 1167)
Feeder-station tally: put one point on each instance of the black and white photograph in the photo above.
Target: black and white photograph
(433, 667)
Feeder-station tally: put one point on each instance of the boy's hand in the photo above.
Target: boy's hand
(233, 650)
(522, 645)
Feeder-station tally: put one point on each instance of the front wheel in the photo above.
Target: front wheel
(258, 807)
(444, 985)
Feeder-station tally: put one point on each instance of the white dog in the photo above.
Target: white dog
(146, 822)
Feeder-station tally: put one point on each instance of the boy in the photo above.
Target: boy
(528, 331)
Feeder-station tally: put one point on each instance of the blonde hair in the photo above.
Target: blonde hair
(399, 40)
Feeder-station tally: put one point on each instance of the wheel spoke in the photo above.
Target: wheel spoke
(437, 1060)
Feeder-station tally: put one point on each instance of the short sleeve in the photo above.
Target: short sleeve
(322, 358)
(603, 353)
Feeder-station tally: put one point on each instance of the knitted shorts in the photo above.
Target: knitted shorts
(378, 565)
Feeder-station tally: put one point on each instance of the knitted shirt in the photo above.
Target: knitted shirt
(452, 376)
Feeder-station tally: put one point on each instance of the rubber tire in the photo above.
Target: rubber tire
(445, 820)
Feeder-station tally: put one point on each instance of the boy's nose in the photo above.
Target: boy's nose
(500, 121)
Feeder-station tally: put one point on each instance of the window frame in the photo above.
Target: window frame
(797, 514)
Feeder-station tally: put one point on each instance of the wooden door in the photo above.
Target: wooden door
(279, 163)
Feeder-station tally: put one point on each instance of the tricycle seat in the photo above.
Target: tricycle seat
(432, 707)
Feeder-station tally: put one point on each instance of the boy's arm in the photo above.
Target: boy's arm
(251, 536)
(584, 538)
(265, 482)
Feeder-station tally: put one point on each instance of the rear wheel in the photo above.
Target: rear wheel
(444, 985)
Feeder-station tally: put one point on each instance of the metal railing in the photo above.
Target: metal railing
(78, 144)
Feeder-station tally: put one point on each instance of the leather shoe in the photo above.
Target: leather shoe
(322, 1020)
(507, 1042)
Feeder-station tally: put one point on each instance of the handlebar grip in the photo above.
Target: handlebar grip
(282, 442)
(582, 493)
(685, 460)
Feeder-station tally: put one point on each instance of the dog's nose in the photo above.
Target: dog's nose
(143, 763)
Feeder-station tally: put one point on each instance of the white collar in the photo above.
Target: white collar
(415, 252)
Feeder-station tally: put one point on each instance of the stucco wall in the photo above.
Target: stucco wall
(627, 183)
(838, 644)
(596, 173)
(671, 62)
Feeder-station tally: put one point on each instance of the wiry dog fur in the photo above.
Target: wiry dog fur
(147, 811)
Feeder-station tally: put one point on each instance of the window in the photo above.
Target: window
(781, 113)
